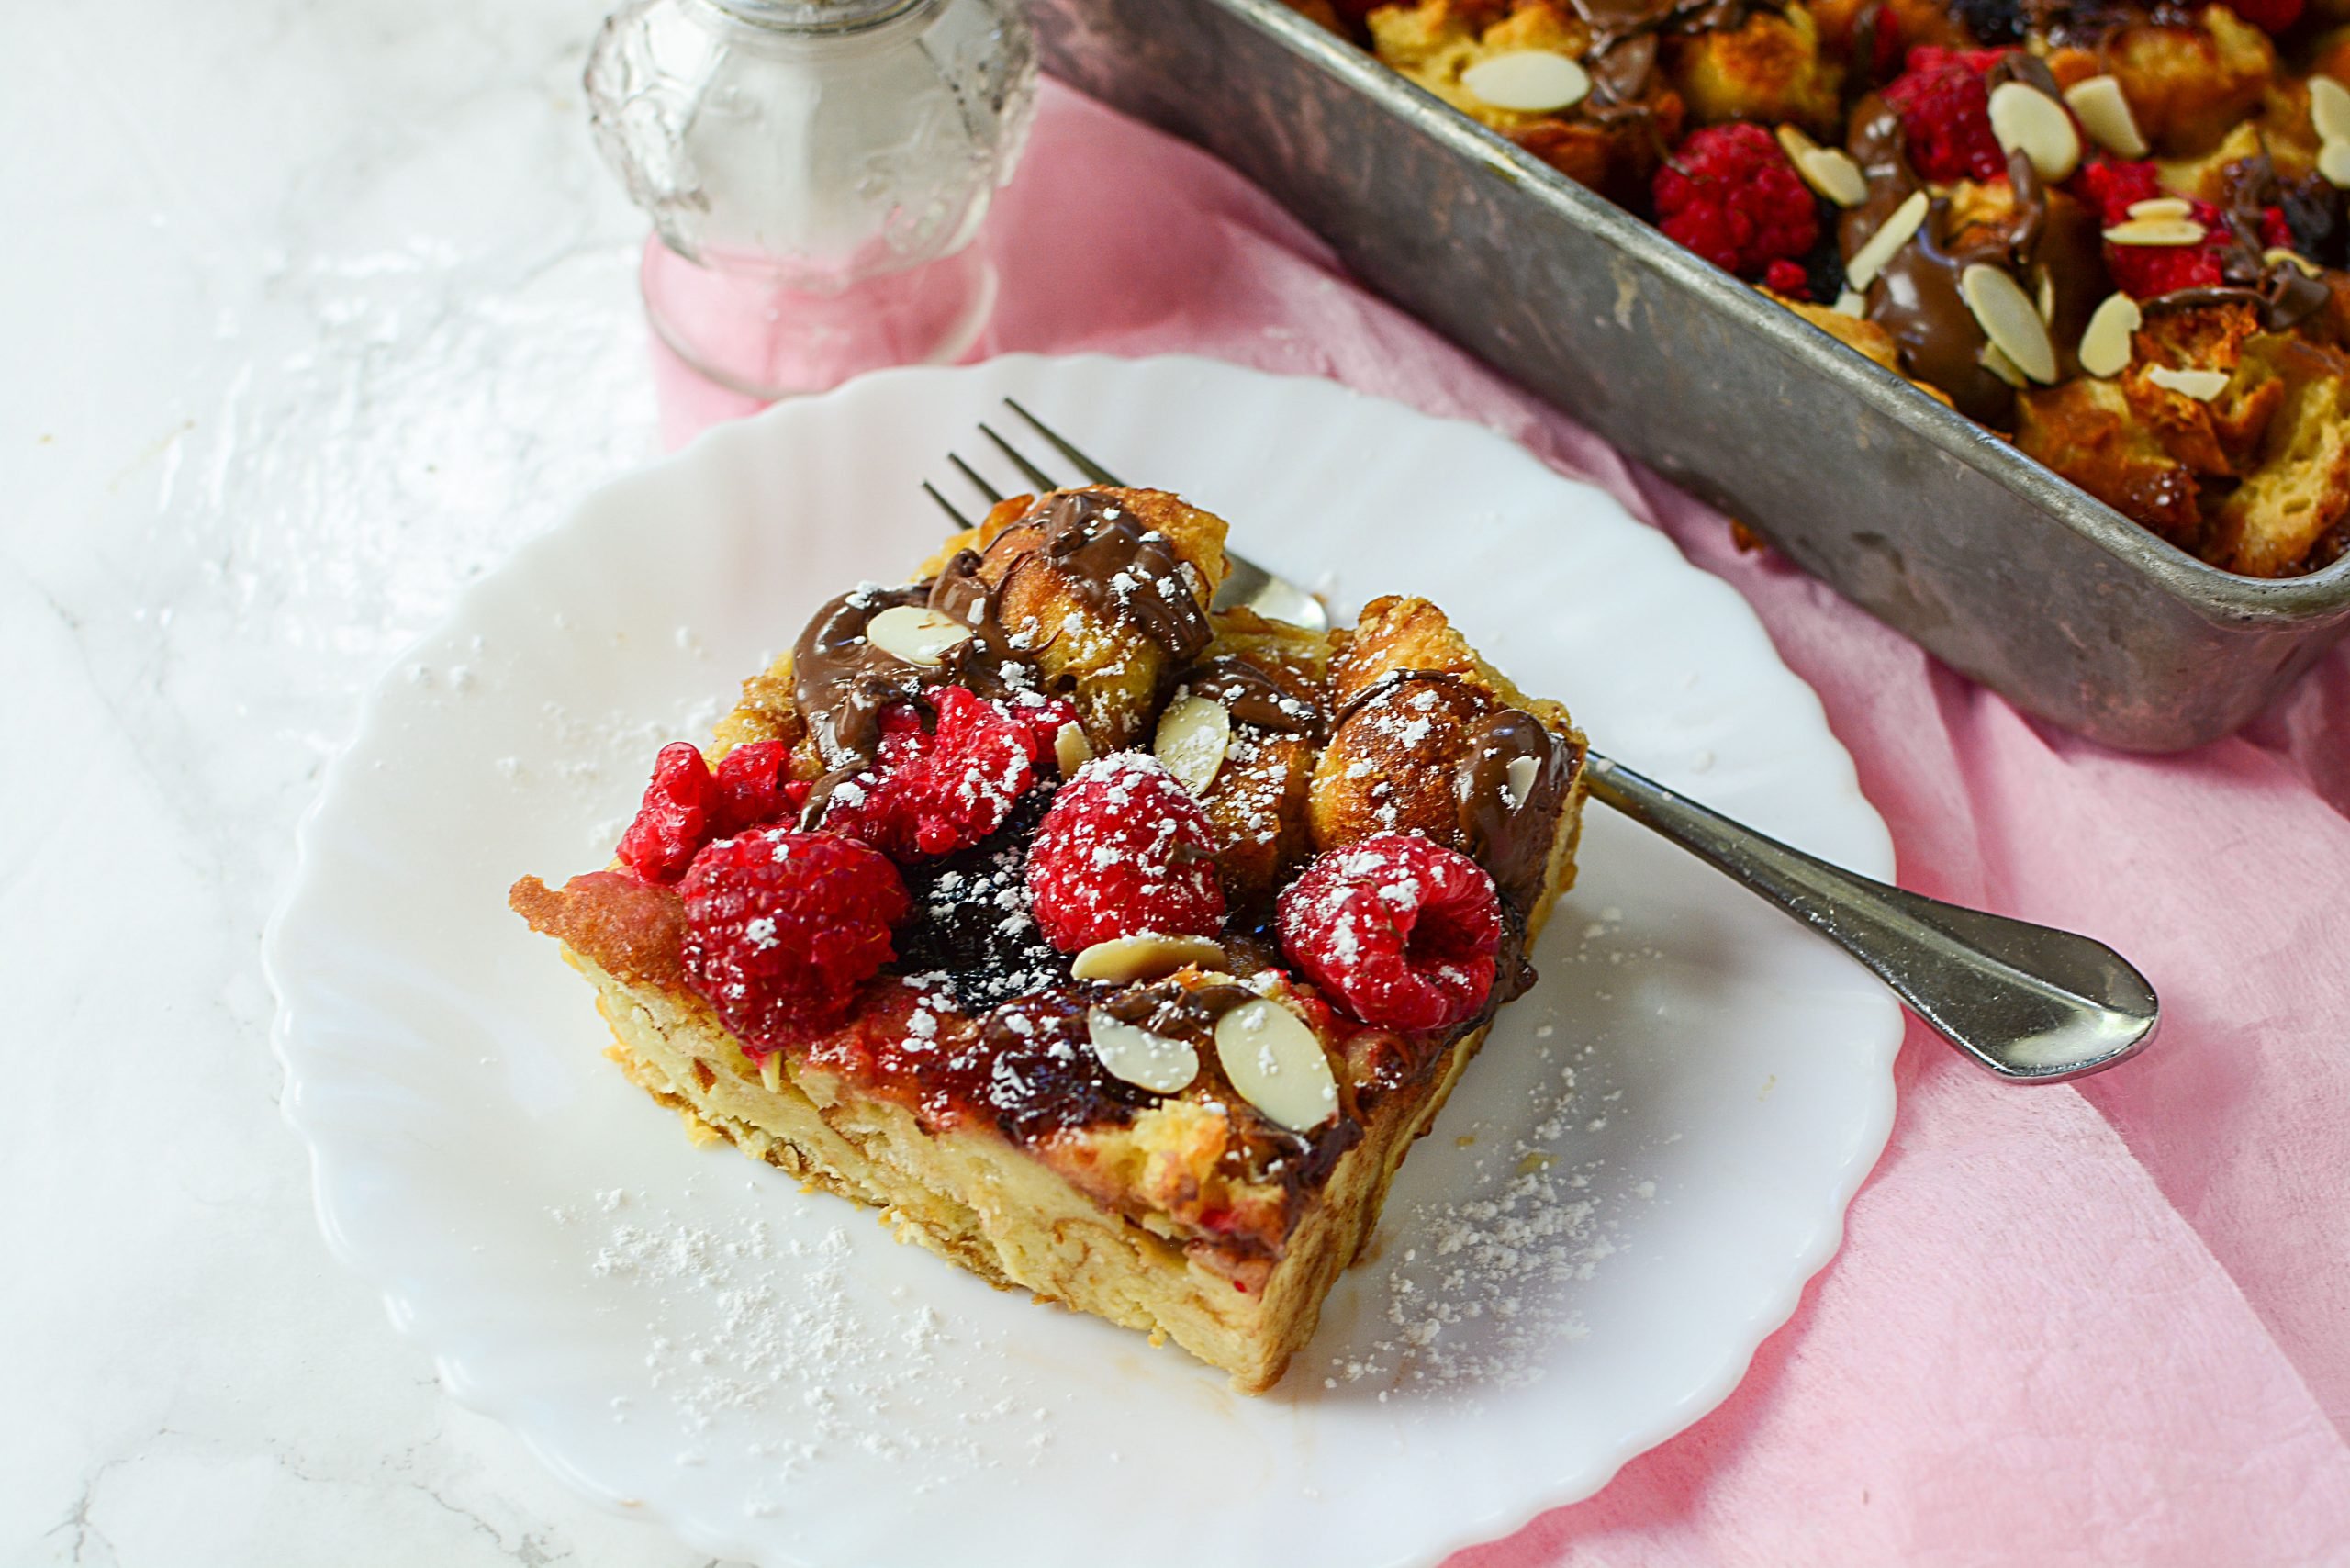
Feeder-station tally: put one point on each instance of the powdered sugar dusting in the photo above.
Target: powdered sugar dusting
(782, 1343)
(1477, 1288)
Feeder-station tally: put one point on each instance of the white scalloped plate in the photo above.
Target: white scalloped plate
(1627, 1192)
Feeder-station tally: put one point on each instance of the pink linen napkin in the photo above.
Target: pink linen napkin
(2108, 1324)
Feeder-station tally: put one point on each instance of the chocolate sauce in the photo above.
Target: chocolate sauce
(1507, 833)
(1119, 567)
(1916, 296)
(1509, 837)
(842, 681)
(1110, 561)
(1253, 697)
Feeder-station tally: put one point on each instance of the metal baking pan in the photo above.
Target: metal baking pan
(1925, 519)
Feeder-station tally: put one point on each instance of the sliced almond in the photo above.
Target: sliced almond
(1831, 172)
(1851, 303)
(2277, 255)
(2044, 292)
(1517, 781)
(2200, 385)
(2156, 231)
(1147, 1060)
(1880, 248)
(1145, 956)
(1278, 1064)
(1194, 735)
(2009, 319)
(915, 633)
(1071, 749)
(2104, 113)
(2000, 365)
(2105, 341)
(1795, 141)
(1531, 81)
(2028, 121)
(2334, 161)
(2330, 109)
(2163, 206)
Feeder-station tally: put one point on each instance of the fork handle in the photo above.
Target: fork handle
(2032, 1004)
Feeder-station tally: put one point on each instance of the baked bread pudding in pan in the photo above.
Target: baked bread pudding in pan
(1114, 949)
(2112, 231)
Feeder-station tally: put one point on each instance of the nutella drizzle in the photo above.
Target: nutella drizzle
(1253, 697)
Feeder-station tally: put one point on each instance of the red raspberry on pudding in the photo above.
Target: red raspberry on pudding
(2111, 185)
(934, 790)
(1401, 930)
(672, 822)
(1945, 108)
(783, 929)
(1124, 849)
(687, 804)
(1729, 195)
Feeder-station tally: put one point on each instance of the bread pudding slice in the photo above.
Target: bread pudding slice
(1115, 948)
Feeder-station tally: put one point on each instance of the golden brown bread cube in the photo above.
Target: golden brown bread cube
(1771, 70)
(2299, 493)
(1414, 684)
(1434, 42)
(1258, 799)
(2190, 83)
(1112, 671)
(2084, 428)
(2219, 435)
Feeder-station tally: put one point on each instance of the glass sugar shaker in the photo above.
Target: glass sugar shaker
(816, 171)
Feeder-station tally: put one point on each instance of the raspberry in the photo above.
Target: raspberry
(936, 791)
(2142, 272)
(1401, 930)
(674, 818)
(783, 927)
(1787, 278)
(1945, 110)
(2268, 16)
(1124, 849)
(753, 789)
(1730, 195)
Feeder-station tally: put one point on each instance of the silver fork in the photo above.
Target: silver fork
(2032, 1004)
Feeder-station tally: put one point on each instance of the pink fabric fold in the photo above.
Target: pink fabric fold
(2108, 1324)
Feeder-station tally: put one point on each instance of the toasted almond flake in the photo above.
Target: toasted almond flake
(2046, 292)
(1071, 748)
(2330, 109)
(1145, 956)
(2105, 341)
(1881, 246)
(1518, 786)
(2104, 113)
(1278, 1064)
(2156, 231)
(2334, 161)
(2028, 121)
(1851, 303)
(1531, 81)
(2200, 385)
(1147, 1060)
(2163, 206)
(2000, 365)
(915, 633)
(1795, 141)
(1194, 735)
(2009, 319)
(1831, 172)
(2277, 255)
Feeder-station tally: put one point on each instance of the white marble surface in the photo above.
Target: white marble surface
(313, 308)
